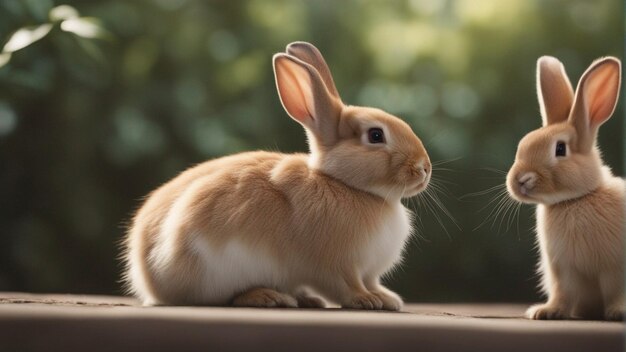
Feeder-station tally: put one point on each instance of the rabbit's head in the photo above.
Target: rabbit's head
(560, 161)
(366, 148)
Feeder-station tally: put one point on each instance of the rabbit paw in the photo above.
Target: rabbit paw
(391, 301)
(545, 312)
(367, 301)
(265, 298)
(614, 313)
(306, 301)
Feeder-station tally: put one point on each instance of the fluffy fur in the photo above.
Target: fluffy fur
(279, 230)
(580, 204)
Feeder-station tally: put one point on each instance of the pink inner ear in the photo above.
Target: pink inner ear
(294, 87)
(601, 90)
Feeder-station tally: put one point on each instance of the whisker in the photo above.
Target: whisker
(486, 191)
(446, 161)
(497, 171)
(438, 186)
(445, 210)
(444, 169)
(504, 207)
(430, 193)
(425, 197)
(508, 205)
(506, 218)
(417, 213)
(497, 199)
(441, 180)
(512, 216)
(519, 206)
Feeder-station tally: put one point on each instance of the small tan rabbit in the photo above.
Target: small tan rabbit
(580, 204)
(266, 229)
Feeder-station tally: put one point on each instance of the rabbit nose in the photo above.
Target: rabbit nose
(422, 168)
(527, 180)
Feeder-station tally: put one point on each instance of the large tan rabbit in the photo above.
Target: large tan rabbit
(580, 204)
(280, 230)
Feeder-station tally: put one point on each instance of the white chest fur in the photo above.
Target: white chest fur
(384, 250)
(585, 235)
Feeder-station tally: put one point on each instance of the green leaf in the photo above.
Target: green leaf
(4, 58)
(86, 27)
(26, 36)
(62, 12)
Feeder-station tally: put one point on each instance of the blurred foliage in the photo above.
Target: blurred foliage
(98, 111)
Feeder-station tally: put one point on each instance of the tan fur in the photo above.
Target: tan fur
(580, 205)
(311, 222)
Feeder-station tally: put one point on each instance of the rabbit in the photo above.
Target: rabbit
(581, 206)
(265, 229)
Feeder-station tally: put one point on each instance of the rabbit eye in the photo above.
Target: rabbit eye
(561, 149)
(375, 135)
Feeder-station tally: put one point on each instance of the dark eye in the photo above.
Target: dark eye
(375, 135)
(561, 149)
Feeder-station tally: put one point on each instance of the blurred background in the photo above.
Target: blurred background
(103, 101)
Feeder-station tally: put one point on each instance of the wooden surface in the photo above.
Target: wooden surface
(30, 322)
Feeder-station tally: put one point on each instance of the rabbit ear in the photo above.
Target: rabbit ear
(306, 98)
(309, 54)
(596, 97)
(554, 90)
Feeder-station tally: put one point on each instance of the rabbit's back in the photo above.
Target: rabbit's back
(267, 214)
(149, 233)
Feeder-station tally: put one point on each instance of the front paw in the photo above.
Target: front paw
(391, 301)
(614, 314)
(367, 301)
(546, 312)
(265, 298)
(306, 301)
